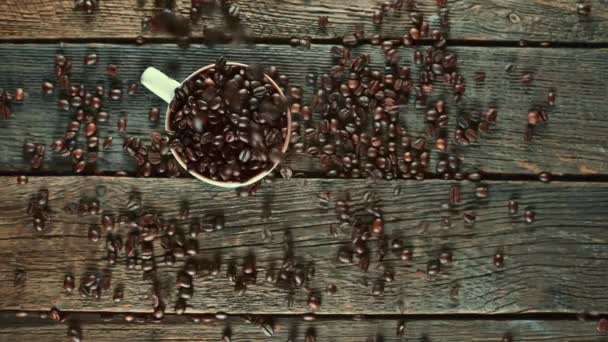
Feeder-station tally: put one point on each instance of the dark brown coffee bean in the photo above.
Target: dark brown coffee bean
(112, 70)
(378, 226)
(69, 283)
(90, 59)
(445, 258)
(529, 216)
(513, 207)
(154, 114)
(91, 129)
(469, 218)
(122, 124)
(401, 329)
(48, 88)
(80, 166)
(56, 315)
(94, 233)
(583, 9)
(21, 180)
(544, 177)
(107, 142)
(499, 260)
(602, 326)
(482, 191)
(63, 105)
(454, 194)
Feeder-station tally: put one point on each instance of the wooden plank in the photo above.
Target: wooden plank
(478, 20)
(95, 328)
(572, 142)
(556, 264)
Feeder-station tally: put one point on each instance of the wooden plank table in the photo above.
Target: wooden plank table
(501, 278)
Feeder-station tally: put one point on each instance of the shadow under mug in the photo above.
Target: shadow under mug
(164, 87)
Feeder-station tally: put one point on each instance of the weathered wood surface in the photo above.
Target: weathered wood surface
(95, 328)
(472, 20)
(572, 142)
(557, 264)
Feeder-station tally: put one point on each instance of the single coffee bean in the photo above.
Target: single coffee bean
(445, 258)
(544, 177)
(122, 124)
(90, 59)
(482, 191)
(499, 260)
(112, 70)
(154, 114)
(454, 194)
(529, 216)
(48, 88)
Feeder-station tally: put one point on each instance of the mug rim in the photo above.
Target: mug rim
(230, 184)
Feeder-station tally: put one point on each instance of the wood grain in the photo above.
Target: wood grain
(572, 142)
(95, 328)
(473, 20)
(556, 264)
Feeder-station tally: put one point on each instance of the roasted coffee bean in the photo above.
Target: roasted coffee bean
(454, 194)
(90, 59)
(544, 177)
(154, 114)
(433, 267)
(112, 70)
(401, 329)
(482, 191)
(21, 180)
(378, 288)
(122, 124)
(445, 258)
(94, 233)
(583, 9)
(513, 207)
(107, 142)
(529, 216)
(551, 97)
(48, 88)
(69, 283)
(91, 129)
(533, 118)
(378, 226)
(499, 260)
(469, 218)
(602, 326)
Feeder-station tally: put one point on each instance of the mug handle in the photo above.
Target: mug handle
(160, 84)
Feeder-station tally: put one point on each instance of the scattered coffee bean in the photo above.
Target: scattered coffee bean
(90, 59)
(499, 260)
(69, 283)
(529, 216)
(112, 70)
(454, 194)
(482, 191)
(154, 114)
(544, 177)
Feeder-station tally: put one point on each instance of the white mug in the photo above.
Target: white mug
(164, 87)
